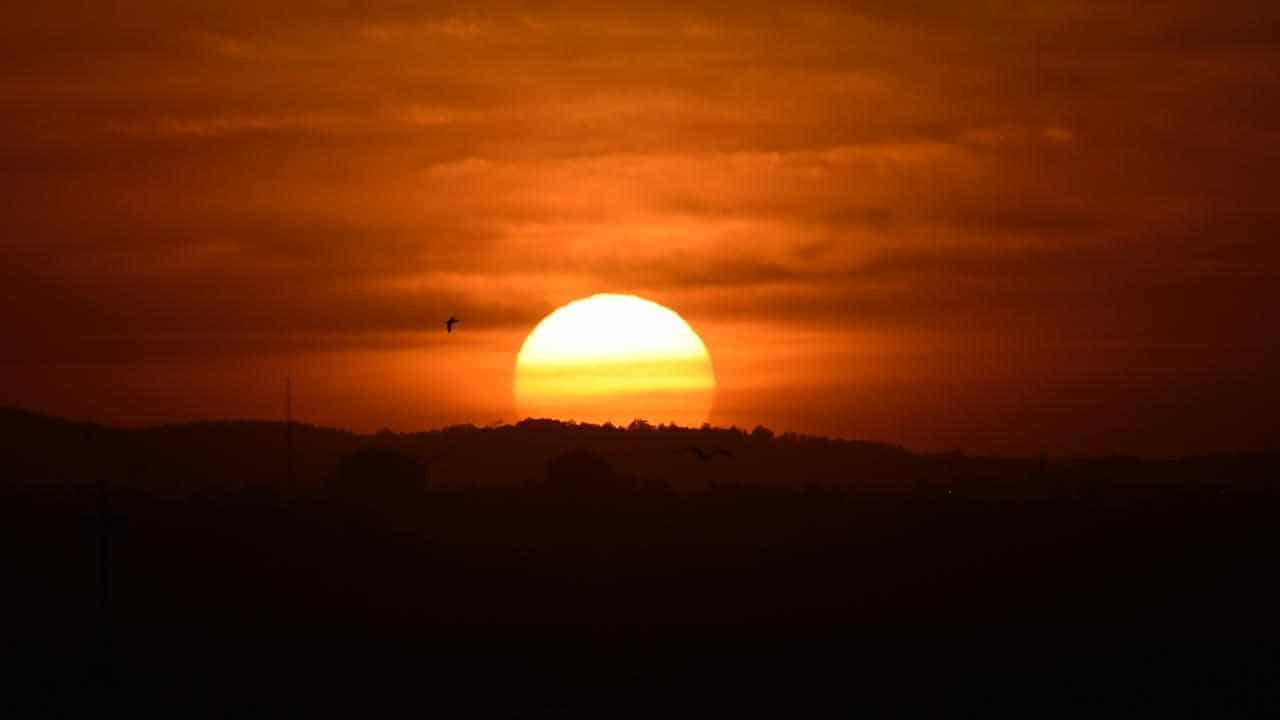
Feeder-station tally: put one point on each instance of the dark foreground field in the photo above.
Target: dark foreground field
(644, 600)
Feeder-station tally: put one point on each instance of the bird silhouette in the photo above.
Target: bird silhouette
(706, 456)
(448, 324)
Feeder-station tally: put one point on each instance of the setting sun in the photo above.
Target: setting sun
(614, 358)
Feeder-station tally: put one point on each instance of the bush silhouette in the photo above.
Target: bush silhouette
(583, 472)
(379, 473)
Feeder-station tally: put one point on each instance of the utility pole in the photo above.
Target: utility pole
(288, 411)
(104, 559)
(104, 522)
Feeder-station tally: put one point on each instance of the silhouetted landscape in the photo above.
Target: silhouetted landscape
(548, 568)
(964, 306)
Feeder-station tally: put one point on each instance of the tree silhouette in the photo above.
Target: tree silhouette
(378, 474)
(583, 472)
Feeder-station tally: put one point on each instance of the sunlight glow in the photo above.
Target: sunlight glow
(614, 358)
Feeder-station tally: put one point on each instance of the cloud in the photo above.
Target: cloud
(234, 180)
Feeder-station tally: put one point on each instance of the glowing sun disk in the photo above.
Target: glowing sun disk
(614, 358)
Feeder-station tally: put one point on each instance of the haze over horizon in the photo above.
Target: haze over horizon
(1031, 227)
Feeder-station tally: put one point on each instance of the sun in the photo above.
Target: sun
(614, 358)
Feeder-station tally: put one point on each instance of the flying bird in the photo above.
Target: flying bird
(706, 456)
(448, 324)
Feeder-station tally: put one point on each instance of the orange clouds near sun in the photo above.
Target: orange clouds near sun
(1010, 229)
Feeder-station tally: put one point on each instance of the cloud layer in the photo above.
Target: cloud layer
(1025, 226)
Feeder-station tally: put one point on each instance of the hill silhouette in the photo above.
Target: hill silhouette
(571, 565)
(220, 456)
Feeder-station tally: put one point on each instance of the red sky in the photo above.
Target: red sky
(1003, 227)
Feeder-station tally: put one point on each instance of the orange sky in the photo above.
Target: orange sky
(1007, 227)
